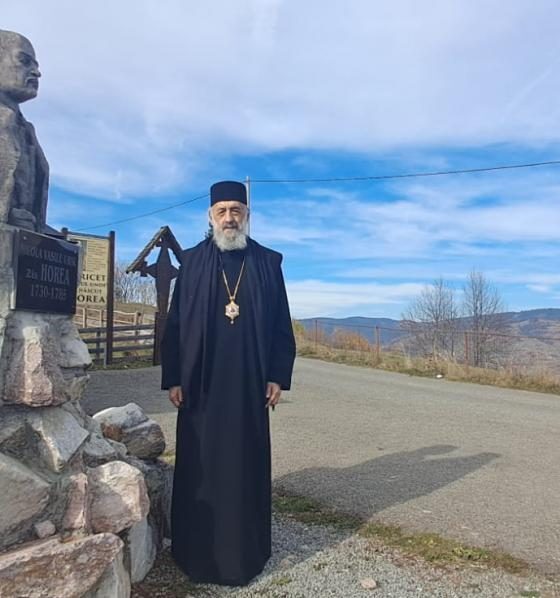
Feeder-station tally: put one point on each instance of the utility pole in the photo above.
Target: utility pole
(248, 185)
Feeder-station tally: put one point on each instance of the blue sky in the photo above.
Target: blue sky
(143, 104)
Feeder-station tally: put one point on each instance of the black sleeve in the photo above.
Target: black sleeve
(170, 342)
(283, 350)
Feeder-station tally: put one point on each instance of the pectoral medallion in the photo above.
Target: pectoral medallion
(232, 311)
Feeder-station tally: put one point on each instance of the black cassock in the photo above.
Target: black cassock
(221, 511)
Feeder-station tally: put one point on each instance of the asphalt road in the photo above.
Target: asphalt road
(471, 462)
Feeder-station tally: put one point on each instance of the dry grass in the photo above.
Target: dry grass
(310, 512)
(429, 547)
(166, 580)
(542, 381)
(438, 550)
(126, 363)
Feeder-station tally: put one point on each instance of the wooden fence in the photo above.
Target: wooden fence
(129, 341)
(86, 317)
(511, 352)
(132, 335)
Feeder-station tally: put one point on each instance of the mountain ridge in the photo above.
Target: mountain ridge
(540, 322)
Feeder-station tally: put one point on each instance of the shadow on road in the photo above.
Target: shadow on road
(363, 489)
(374, 485)
(369, 487)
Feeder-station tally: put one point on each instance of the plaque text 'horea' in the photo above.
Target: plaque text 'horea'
(47, 273)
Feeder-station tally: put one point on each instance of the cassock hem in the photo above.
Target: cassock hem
(213, 580)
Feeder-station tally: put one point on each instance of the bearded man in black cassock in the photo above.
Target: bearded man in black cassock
(227, 354)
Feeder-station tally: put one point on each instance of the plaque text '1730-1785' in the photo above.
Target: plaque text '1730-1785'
(47, 273)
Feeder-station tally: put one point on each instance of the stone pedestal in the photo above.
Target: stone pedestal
(7, 289)
(68, 489)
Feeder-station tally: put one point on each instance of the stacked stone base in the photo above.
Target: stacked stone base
(84, 502)
(78, 512)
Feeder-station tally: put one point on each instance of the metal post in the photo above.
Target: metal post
(248, 186)
(377, 344)
(467, 356)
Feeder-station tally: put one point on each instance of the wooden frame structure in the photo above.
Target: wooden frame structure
(163, 271)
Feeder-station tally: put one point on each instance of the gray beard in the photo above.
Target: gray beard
(236, 239)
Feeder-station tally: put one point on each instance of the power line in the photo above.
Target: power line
(384, 177)
(170, 207)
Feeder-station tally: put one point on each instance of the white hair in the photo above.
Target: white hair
(229, 239)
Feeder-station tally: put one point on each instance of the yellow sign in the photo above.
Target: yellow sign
(93, 287)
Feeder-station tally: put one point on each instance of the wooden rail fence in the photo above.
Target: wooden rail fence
(135, 339)
(86, 317)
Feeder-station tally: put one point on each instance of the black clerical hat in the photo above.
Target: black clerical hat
(228, 191)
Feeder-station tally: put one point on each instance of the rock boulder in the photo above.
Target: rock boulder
(50, 568)
(24, 496)
(118, 497)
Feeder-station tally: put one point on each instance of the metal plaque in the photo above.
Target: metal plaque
(46, 273)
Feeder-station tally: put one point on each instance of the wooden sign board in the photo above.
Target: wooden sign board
(93, 289)
(46, 273)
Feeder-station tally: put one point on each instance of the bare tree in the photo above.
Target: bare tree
(483, 309)
(123, 283)
(133, 288)
(431, 320)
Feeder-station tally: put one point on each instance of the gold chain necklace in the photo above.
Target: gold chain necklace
(232, 309)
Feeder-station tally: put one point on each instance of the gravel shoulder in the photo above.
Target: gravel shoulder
(320, 561)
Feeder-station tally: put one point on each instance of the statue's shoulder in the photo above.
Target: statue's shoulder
(10, 144)
(8, 118)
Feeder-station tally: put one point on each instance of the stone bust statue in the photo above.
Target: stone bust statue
(24, 171)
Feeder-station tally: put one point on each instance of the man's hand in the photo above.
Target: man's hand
(273, 392)
(176, 396)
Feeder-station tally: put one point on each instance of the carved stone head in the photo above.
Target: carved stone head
(19, 70)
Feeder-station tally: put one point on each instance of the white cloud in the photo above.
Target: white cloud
(136, 95)
(309, 298)
(71, 212)
(529, 278)
(442, 224)
(393, 270)
(539, 288)
(284, 231)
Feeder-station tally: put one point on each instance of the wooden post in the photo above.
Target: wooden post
(316, 335)
(159, 328)
(467, 356)
(97, 345)
(110, 300)
(377, 344)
